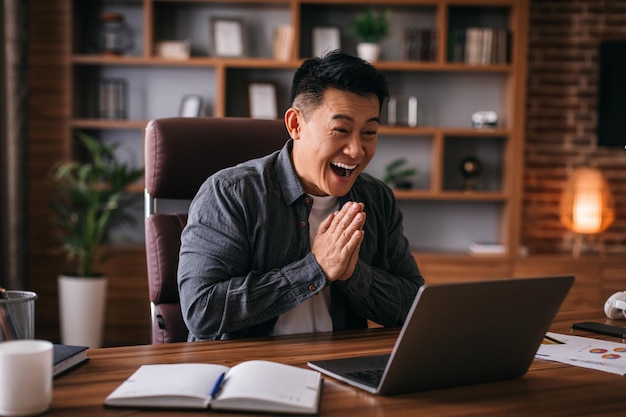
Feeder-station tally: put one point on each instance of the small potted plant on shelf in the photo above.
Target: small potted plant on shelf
(398, 175)
(370, 27)
(89, 197)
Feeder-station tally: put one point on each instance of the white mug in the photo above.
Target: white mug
(25, 377)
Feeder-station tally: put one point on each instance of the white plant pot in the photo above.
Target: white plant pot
(367, 51)
(82, 303)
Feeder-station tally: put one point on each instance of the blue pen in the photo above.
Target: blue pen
(218, 385)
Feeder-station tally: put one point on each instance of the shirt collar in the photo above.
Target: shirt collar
(290, 185)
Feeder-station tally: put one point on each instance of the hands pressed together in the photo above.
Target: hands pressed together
(338, 241)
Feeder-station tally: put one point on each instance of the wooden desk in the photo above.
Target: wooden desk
(548, 389)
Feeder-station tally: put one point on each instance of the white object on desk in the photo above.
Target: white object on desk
(255, 385)
(25, 377)
(615, 306)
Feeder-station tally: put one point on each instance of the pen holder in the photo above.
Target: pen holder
(17, 315)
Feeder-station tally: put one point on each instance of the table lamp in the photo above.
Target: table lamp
(586, 206)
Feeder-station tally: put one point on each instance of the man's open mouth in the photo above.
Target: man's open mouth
(342, 170)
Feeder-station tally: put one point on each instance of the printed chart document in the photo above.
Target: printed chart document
(586, 353)
(259, 386)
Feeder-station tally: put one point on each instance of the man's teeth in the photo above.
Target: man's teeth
(344, 166)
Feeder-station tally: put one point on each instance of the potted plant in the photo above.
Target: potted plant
(89, 197)
(370, 27)
(398, 175)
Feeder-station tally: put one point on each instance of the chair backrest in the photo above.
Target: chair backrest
(180, 153)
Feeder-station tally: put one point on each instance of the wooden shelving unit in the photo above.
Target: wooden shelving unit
(445, 89)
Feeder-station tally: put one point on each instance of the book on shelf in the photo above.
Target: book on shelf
(283, 42)
(486, 248)
(67, 357)
(456, 45)
(254, 386)
(479, 46)
(420, 45)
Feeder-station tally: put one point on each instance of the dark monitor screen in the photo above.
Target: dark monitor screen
(612, 94)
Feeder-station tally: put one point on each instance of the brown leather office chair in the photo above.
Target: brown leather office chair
(180, 153)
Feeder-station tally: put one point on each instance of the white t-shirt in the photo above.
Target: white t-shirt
(313, 314)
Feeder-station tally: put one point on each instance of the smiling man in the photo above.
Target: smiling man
(302, 240)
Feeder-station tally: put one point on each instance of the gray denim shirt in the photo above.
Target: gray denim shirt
(245, 255)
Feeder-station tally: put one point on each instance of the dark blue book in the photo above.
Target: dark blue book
(68, 357)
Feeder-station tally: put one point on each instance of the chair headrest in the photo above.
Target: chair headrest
(180, 152)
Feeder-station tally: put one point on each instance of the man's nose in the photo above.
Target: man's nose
(354, 148)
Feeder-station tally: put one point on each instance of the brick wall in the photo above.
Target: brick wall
(561, 117)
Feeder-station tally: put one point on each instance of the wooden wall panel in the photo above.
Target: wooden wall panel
(48, 115)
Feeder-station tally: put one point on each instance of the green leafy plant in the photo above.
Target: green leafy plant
(89, 198)
(371, 26)
(398, 175)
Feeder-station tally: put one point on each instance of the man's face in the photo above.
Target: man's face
(336, 143)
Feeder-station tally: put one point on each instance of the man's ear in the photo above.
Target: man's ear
(292, 122)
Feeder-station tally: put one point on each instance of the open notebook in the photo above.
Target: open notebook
(459, 334)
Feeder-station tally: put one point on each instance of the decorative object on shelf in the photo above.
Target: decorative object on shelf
(402, 111)
(486, 248)
(114, 36)
(191, 106)
(471, 167)
(370, 26)
(282, 48)
(173, 49)
(398, 175)
(325, 39)
(586, 207)
(227, 37)
(112, 99)
(262, 100)
(89, 197)
(485, 118)
(420, 45)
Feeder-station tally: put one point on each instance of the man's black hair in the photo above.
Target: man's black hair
(341, 71)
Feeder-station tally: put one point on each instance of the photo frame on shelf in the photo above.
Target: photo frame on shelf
(227, 37)
(325, 39)
(190, 106)
(262, 100)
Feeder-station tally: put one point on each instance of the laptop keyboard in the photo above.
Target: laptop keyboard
(368, 376)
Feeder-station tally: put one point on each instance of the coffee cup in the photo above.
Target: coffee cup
(25, 377)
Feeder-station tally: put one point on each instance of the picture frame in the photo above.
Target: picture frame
(227, 37)
(190, 106)
(262, 100)
(325, 39)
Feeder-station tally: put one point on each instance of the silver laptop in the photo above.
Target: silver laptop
(460, 334)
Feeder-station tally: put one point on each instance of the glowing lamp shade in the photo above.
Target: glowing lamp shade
(587, 204)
